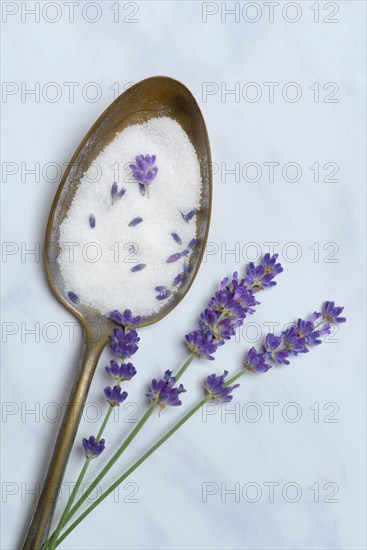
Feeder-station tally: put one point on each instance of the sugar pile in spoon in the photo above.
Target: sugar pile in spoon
(133, 239)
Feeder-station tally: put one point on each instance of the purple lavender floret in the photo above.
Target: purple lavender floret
(216, 389)
(177, 238)
(92, 221)
(93, 448)
(73, 297)
(115, 193)
(297, 338)
(144, 170)
(331, 313)
(261, 276)
(234, 300)
(255, 361)
(164, 292)
(187, 217)
(124, 342)
(135, 221)
(138, 267)
(201, 343)
(126, 318)
(121, 373)
(191, 244)
(173, 258)
(163, 391)
(115, 396)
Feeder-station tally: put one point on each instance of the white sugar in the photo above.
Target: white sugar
(100, 271)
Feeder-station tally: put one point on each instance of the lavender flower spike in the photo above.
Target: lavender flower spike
(144, 171)
(216, 388)
(115, 395)
(124, 342)
(298, 338)
(163, 391)
(93, 448)
(227, 309)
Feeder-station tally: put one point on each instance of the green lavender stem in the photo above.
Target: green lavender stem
(76, 487)
(142, 459)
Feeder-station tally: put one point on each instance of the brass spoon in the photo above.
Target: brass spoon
(150, 98)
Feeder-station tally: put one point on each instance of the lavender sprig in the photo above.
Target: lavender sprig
(92, 447)
(164, 393)
(230, 305)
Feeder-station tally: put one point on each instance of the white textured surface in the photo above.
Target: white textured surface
(103, 258)
(170, 38)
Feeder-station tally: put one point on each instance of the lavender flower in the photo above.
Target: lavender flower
(93, 448)
(174, 257)
(144, 171)
(261, 276)
(123, 372)
(126, 318)
(178, 279)
(297, 338)
(92, 221)
(163, 391)
(124, 341)
(331, 313)
(135, 221)
(115, 193)
(216, 388)
(187, 217)
(255, 361)
(229, 306)
(115, 395)
(164, 292)
(177, 238)
(73, 297)
(138, 267)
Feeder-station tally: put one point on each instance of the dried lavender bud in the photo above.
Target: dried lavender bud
(164, 292)
(191, 244)
(115, 193)
(173, 257)
(138, 267)
(135, 221)
(177, 238)
(73, 297)
(92, 221)
(187, 217)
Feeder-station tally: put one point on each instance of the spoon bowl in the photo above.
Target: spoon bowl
(150, 98)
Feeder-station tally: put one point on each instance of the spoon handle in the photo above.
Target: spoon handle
(41, 521)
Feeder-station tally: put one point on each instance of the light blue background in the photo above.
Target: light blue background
(170, 38)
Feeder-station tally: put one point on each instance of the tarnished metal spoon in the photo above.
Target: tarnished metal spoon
(150, 98)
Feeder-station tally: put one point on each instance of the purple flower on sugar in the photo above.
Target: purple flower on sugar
(124, 342)
(178, 279)
(191, 244)
(135, 221)
(121, 373)
(73, 297)
(115, 193)
(164, 292)
(126, 318)
(115, 395)
(164, 393)
(261, 276)
(216, 389)
(144, 170)
(331, 313)
(187, 217)
(93, 448)
(92, 221)
(138, 267)
(274, 349)
(176, 238)
(201, 343)
(255, 361)
(173, 257)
